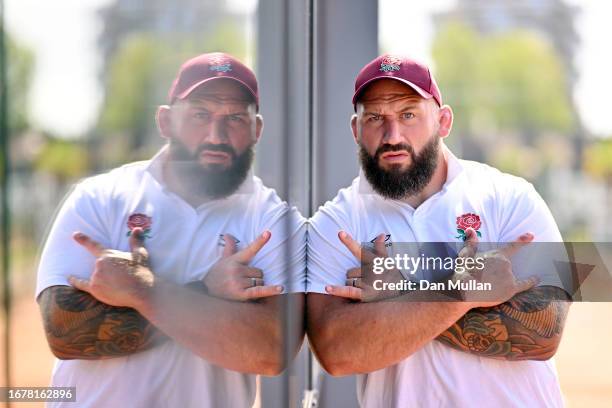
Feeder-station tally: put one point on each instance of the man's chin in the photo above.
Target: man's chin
(394, 167)
(215, 168)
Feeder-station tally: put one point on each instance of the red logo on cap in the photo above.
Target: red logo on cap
(390, 63)
(219, 63)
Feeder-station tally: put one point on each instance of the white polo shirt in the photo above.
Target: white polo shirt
(183, 243)
(438, 375)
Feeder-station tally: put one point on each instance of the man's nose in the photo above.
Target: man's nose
(392, 132)
(216, 134)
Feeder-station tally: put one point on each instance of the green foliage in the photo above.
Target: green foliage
(598, 160)
(19, 67)
(65, 159)
(132, 82)
(512, 81)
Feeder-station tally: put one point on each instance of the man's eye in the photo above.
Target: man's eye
(374, 118)
(234, 118)
(407, 115)
(201, 115)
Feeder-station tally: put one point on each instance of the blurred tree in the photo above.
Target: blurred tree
(598, 160)
(65, 159)
(511, 83)
(140, 75)
(19, 68)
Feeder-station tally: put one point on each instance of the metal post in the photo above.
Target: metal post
(4, 200)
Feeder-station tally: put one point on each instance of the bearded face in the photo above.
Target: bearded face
(396, 182)
(210, 180)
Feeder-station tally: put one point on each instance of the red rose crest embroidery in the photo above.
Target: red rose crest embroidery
(139, 220)
(390, 63)
(466, 221)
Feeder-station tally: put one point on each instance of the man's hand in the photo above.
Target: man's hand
(119, 278)
(232, 278)
(359, 280)
(497, 271)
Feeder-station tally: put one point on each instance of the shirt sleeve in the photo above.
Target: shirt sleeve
(283, 258)
(523, 211)
(62, 256)
(328, 258)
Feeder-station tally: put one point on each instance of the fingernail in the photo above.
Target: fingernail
(527, 235)
(329, 289)
(78, 235)
(279, 288)
(342, 234)
(265, 234)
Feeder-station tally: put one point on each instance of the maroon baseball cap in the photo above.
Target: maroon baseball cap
(207, 67)
(406, 70)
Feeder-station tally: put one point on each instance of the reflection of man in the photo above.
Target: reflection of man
(182, 322)
(413, 189)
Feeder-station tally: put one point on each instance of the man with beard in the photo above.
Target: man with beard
(171, 294)
(414, 347)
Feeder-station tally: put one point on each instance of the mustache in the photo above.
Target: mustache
(393, 148)
(223, 148)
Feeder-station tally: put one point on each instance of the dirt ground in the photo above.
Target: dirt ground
(584, 359)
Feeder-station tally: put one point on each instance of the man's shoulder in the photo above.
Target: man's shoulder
(126, 174)
(486, 177)
(342, 206)
(113, 186)
(345, 199)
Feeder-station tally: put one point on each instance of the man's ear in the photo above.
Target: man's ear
(163, 118)
(354, 128)
(259, 125)
(445, 120)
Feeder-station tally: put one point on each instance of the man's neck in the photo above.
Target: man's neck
(435, 184)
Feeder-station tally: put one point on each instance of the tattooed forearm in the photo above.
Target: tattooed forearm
(80, 327)
(527, 327)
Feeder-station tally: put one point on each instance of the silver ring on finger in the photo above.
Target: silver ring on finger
(253, 282)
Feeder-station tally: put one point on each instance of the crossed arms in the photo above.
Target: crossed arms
(352, 336)
(121, 311)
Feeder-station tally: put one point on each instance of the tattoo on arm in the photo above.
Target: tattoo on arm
(79, 326)
(527, 327)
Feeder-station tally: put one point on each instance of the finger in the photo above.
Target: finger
(379, 245)
(348, 292)
(80, 284)
(354, 282)
(263, 291)
(513, 247)
(230, 246)
(250, 251)
(253, 273)
(354, 273)
(471, 244)
(364, 256)
(527, 284)
(139, 252)
(252, 282)
(352, 245)
(94, 247)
